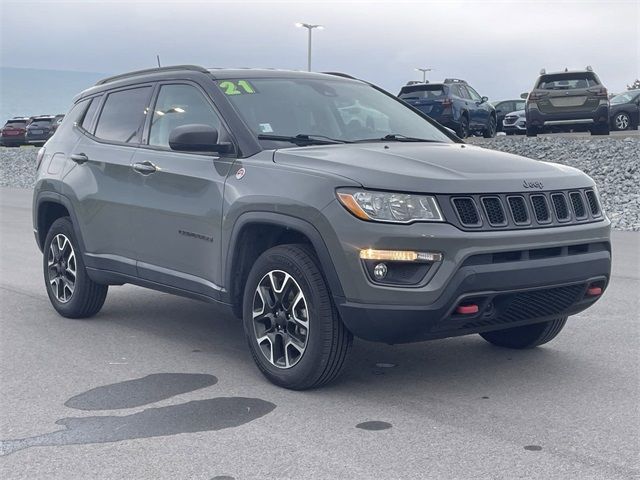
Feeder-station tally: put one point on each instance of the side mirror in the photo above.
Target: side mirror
(485, 99)
(524, 95)
(196, 137)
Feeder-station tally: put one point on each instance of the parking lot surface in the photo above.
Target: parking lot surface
(157, 386)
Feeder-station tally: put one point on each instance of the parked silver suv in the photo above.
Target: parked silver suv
(314, 206)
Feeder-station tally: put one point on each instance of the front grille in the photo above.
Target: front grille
(510, 120)
(529, 305)
(521, 210)
(577, 203)
(494, 211)
(467, 211)
(593, 202)
(560, 206)
(540, 208)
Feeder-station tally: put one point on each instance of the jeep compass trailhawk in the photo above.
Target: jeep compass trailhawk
(316, 207)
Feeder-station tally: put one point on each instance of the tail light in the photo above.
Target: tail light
(599, 92)
(39, 157)
(537, 95)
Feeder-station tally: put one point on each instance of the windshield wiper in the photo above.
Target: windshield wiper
(395, 137)
(303, 138)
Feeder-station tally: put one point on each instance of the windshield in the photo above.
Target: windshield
(626, 97)
(334, 109)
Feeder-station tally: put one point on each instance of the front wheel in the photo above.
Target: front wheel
(293, 329)
(490, 129)
(71, 292)
(621, 121)
(528, 336)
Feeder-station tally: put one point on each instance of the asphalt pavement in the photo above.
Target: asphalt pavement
(162, 387)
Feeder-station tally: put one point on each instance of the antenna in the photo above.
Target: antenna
(158, 59)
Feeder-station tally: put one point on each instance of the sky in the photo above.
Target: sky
(499, 47)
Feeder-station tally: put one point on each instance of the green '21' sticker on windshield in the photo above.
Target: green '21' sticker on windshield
(236, 87)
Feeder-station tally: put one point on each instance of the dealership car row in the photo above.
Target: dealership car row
(561, 101)
(34, 130)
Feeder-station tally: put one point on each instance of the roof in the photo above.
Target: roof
(170, 72)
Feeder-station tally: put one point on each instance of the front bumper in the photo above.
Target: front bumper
(474, 265)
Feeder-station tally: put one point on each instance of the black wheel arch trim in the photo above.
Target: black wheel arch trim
(55, 197)
(293, 223)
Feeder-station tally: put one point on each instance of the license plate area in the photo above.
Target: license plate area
(568, 101)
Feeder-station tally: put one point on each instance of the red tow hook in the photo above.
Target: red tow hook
(467, 309)
(594, 291)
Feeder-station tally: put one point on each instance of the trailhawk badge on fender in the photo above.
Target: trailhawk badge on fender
(240, 173)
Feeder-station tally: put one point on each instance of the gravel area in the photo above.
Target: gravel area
(613, 162)
(18, 166)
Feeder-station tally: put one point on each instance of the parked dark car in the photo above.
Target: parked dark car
(515, 123)
(566, 101)
(504, 107)
(624, 110)
(263, 192)
(454, 104)
(13, 132)
(57, 121)
(39, 130)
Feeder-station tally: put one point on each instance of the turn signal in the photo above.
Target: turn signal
(400, 255)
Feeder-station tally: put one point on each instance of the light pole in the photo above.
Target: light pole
(424, 73)
(309, 27)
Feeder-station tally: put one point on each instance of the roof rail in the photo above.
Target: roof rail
(453, 80)
(340, 74)
(194, 68)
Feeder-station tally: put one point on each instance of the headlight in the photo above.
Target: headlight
(390, 207)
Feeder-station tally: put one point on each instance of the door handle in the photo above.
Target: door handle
(79, 158)
(145, 168)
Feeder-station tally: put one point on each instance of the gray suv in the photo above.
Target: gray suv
(315, 207)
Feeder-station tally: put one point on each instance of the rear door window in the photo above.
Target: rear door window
(568, 81)
(123, 115)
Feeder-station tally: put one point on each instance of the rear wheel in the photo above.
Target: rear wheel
(463, 127)
(71, 292)
(532, 131)
(528, 336)
(490, 129)
(293, 329)
(600, 129)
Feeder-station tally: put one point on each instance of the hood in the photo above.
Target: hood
(432, 167)
(518, 113)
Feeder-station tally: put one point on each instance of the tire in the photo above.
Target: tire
(622, 121)
(601, 129)
(282, 273)
(87, 297)
(532, 131)
(462, 130)
(491, 129)
(528, 336)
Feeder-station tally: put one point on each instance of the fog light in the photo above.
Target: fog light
(380, 271)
